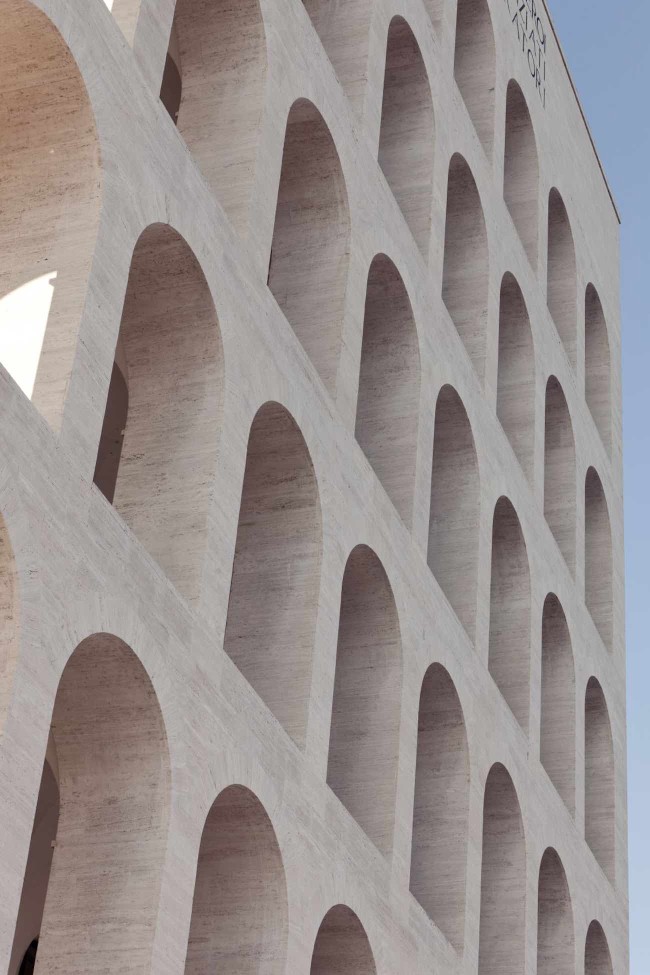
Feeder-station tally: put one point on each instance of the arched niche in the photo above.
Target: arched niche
(158, 448)
(219, 51)
(455, 508)
(509, 654)
(598, 366)
(558, 720)
(344, 31)
(598, 558)
(388, 404)
(441, 806)
(406, 139)
(50, 196)
(342, 946)
(555, 938)
(516, 375)
(600, 784)
(239, 912)
(503, 879)
(521, 171)
(114, 782)
(560, 472)
(308, 266)
(466, 265)
(598, 960)
(562, 275)
(364, 735)
(475, 66)
(276, 571)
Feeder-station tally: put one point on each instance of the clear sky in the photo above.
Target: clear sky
(607, 43)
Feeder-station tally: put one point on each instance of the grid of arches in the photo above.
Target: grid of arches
(280, 499)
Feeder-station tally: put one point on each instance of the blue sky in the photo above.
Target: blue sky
(607, 44)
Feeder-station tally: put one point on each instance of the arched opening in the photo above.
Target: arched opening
(388, 405)
(441, 806)
(598, 366)
(406, 137)
(114, 781)
(466, 267)
(509, 655)
(562, 275)
(598, 960)
(311, 240)
(239, 912)
(158, 448)
(276, 571)
(555, 939)
(455, 504)
(50, 196)
(342, 946)
(364, 734)
(344, 31)
(516, 378)
(503, 879)
(475, 66)
(521, 170)
(558, 720)
(560, 472)
(598, 558)
(8, 619)
(219, 51)
(171, 89)
(599, 779)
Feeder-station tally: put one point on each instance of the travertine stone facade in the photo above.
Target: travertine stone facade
(312, 646)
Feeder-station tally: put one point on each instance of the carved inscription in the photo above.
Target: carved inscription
(527, 21)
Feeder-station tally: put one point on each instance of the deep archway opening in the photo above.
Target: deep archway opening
(562, 275)
(465, 279)
(560, 472)
(509, 654)
(364, 734)
(475, 66)
(441, 806)
(342, 946)
(521, 171)
(516, 375)
(598, 366)
(276, 571)
(50, 198)
(406, 139)
(598, 960)
(308, 266)
(455, 508)
(239, 913)
(388, 404)
(599, 568)
(158, 448)
(555, 938)
(558, 720)
(600, 783)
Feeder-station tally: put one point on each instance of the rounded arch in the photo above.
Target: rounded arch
(465, 278)
(219, 51)
(509, 653)
(555, 938)
(516, 374)
(239, 912)
(600, 782)
(441, 806)
(342, 945)
(521, 170)
(598, 366)
(562, 275)
(114, 783)
(158, 448)
(475, 66)
(344, 31)
(406, 139)
(308, 265)
(598, 960)
(560, 472)
(503, 878)
(276, 570)
(50, 197)
(388, 405)
(599, 568)
(455, 508)
(364, 734)
(558, 719)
